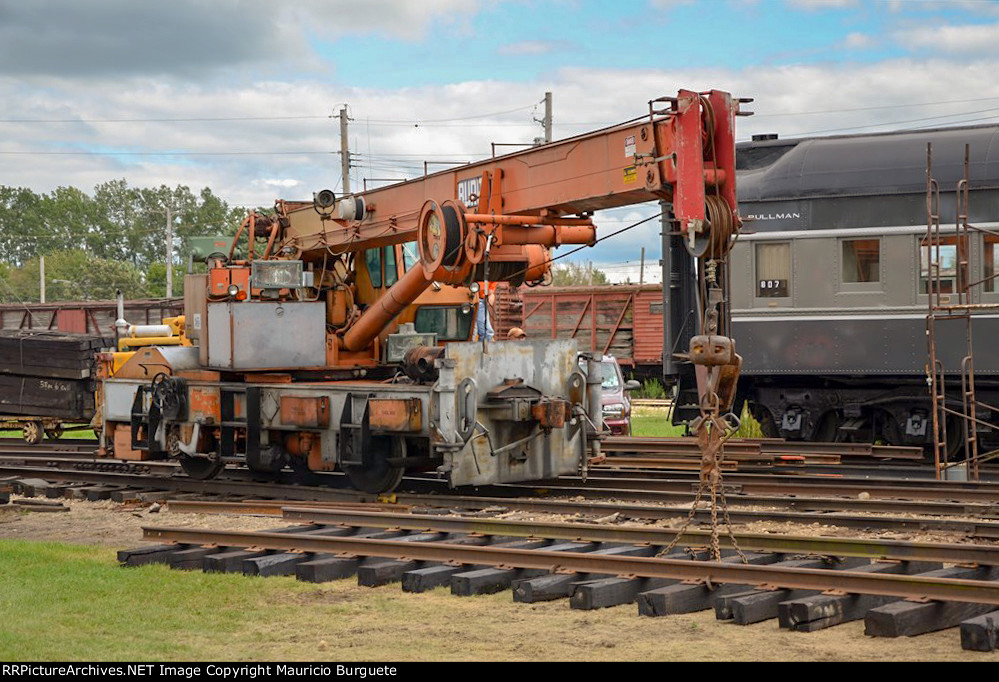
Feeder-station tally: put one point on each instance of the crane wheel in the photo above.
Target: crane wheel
(380, 476)
(202, 468)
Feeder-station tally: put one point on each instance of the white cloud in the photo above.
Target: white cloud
(968, 39)
(530, 47)
(817, 5)
(859, 41)
(585, 99)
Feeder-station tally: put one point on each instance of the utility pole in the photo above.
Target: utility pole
(344, 151)
(169, 252)
(41, 278)
(548, 117)
(641, 269)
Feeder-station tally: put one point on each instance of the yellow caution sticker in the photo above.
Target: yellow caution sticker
(630, 175)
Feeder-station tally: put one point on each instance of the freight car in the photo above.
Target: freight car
(86, 317)
(830, 281)
(625, 320)
(48, 360)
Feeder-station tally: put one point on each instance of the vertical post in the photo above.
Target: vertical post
(169, 252)
(548, 117)
(344, 151)
(41, 278)
(641, 269)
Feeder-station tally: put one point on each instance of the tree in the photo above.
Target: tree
(578, 274)
(73, 275)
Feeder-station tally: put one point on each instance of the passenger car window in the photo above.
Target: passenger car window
(991, 262)
(773, 270)
(861, 260)
(373, 259)
(948, 266)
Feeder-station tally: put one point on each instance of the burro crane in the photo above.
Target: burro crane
(336, 334)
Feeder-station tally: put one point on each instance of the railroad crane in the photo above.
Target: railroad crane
(341, 340)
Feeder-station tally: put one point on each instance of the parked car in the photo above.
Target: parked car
(614, 389)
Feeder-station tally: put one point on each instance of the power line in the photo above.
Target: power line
(163, 153)
(205, 119)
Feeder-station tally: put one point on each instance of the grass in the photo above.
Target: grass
(74, 603)
(653, 421)
(84, 434)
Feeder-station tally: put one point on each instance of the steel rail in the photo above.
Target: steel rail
(763, 486)
(299, 493)
(684, 491)
(764, 446)
(734, 497)
(981, 529)
(876, 549)
(904, 586)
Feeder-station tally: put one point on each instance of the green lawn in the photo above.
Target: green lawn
(653, 423)
(656, 422)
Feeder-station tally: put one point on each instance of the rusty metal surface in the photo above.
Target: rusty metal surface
(272, 507)
(905, 586)
(830, 546)
(310, 412)
(760, 447)
(395, 414)
(585, 502)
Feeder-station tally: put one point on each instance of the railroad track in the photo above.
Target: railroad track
(897, 588)
(972, 520)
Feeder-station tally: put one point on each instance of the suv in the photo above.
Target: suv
(614, 390)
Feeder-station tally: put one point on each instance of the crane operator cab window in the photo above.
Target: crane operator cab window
(373, 261)
(391, 273)
(773, 270)
(450, 323)
(410, 255)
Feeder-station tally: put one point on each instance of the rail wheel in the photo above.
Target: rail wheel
(828, 429)
(380, 476)
(202, 467)
(54, 434)
(32, 432)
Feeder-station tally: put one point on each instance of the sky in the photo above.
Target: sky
(241, 95)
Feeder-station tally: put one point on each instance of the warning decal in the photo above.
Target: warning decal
(629, 146)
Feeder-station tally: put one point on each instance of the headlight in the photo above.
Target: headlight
(614, 411)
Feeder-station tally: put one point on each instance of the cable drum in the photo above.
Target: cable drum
(721, 228)
(441, 237)
(454, 223)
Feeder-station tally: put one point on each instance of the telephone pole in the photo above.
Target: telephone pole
(344, 151)
(548, 117)
(169, 252)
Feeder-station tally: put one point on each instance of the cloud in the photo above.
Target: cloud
(818, 5)
(531, 47)
(669, 4)
(967, 39)
(859, 41)
(191, 38)
(792, 100)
